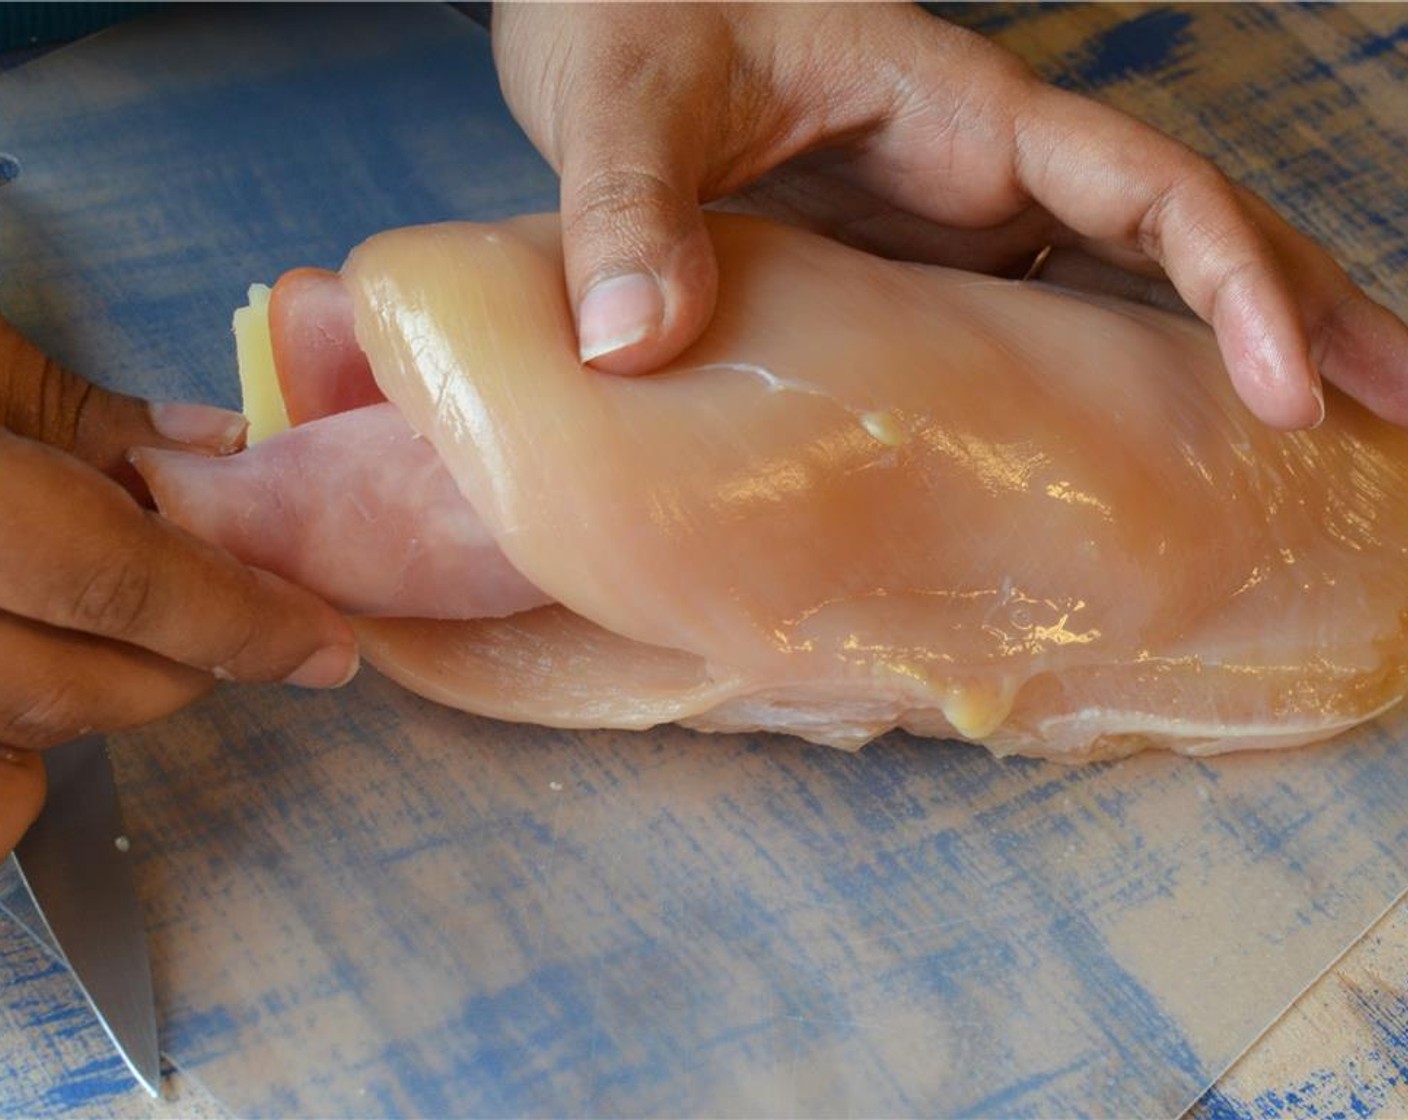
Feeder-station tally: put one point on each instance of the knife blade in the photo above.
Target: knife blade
(73, 861)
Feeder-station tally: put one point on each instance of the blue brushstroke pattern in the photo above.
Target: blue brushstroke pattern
(1145, 45)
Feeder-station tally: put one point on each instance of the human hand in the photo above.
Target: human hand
(110, 616)
(906, 136)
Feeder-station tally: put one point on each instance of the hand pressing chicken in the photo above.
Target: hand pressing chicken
(907, 136)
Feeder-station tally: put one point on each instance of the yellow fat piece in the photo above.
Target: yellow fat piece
(977, 710)
(259, 382)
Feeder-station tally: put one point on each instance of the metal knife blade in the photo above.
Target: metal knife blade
(74, 863)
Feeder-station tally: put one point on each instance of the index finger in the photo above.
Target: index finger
(79, 554)
(1283, 311)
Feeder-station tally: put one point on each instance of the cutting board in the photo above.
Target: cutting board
(361, 903)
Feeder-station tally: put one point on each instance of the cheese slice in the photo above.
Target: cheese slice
(263, 402)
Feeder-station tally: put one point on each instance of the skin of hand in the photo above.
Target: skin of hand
(110, 616)
(901, 134)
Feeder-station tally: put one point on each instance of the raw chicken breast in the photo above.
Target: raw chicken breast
(881, 495)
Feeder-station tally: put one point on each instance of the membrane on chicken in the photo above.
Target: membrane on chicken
(874, 495)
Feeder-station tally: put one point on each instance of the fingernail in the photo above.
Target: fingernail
(204, 425)
(619, 312)
(330, 667)
(1317, 390)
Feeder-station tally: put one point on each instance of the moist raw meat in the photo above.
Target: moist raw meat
(877, 495)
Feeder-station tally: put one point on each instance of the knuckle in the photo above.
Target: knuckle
(615, 195)
(1330, 319)
(629, 212)
(61, 403)
(239, 636)
(74, 410)
(1229, 289)
(114, 598)
(54, 713)
(1206, 186)
(1149, 234)
(240, 649)
(996, 81)
(1195, 191)
(48, 404)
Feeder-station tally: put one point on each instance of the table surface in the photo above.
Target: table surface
(1343, 1049)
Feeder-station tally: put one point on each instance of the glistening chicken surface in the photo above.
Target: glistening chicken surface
(874, 495)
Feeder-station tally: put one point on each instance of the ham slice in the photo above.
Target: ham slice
(355, 506)
(874, 495)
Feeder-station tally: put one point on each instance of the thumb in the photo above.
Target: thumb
(640, 266)
(43, 401)
(633, 105)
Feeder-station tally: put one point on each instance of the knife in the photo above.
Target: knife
(74, 863)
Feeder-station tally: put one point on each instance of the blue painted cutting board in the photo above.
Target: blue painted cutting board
(364, 904)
